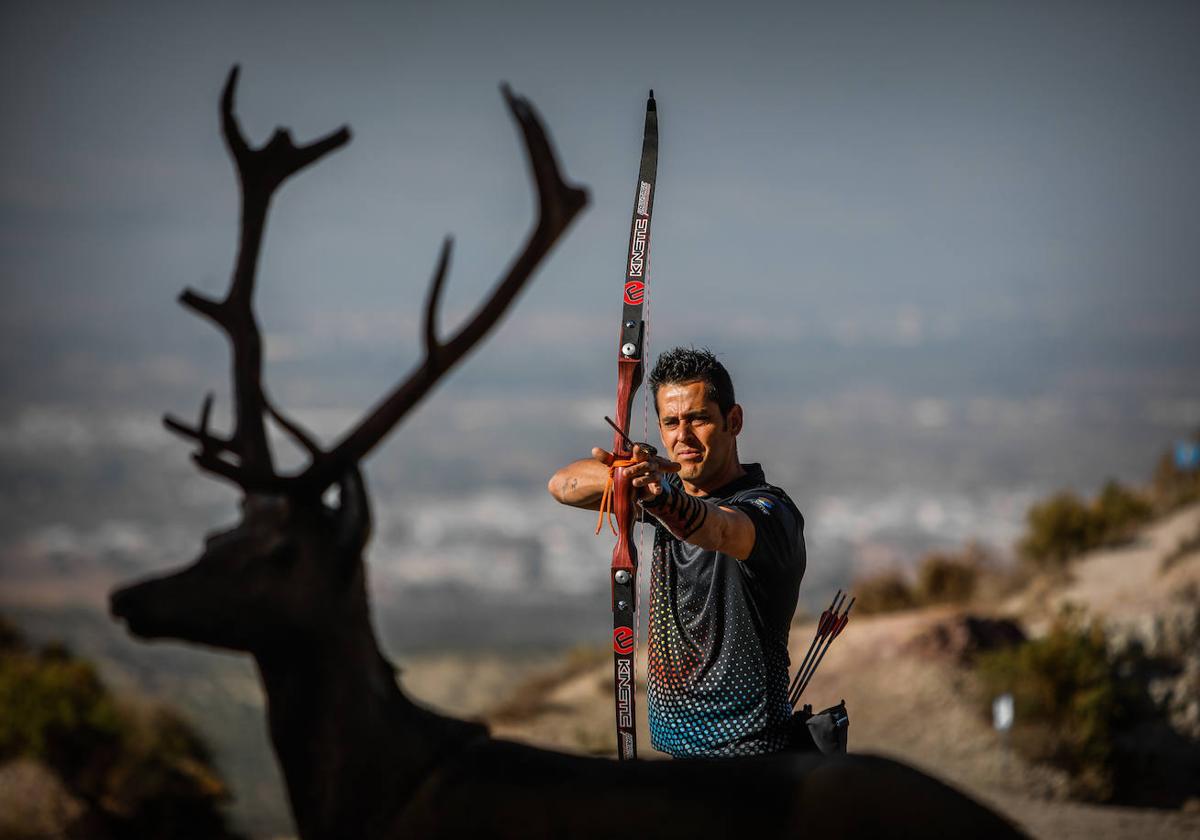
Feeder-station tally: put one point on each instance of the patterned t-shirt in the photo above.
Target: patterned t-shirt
(718, 660)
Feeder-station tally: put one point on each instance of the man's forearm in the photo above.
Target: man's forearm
(579, 484)
(695, 520)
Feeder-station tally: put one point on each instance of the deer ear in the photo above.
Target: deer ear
(353, 517)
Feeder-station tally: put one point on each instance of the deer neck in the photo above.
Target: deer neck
(353, 748)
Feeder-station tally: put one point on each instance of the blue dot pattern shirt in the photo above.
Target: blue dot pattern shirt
(718, 629)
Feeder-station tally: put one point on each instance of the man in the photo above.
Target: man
(726, 570)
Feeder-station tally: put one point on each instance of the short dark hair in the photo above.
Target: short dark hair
(687, 364)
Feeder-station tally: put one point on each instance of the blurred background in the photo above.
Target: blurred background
(947, 251)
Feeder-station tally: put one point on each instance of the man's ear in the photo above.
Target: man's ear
(734, 419)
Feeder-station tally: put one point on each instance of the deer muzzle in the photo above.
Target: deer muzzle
(160, 607)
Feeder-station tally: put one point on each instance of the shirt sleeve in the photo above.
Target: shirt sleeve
(778, 534)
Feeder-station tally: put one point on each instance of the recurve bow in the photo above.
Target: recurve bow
(629, 378)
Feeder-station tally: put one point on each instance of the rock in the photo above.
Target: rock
(34, 804)
(962, 637)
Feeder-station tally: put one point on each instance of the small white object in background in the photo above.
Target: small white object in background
(1002, 719)
(1002, 712)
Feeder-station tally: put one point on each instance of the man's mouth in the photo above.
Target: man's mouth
(688, 455)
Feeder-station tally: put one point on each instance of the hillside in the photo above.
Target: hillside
(909, 697)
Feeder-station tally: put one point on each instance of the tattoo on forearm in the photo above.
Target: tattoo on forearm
(683, 515)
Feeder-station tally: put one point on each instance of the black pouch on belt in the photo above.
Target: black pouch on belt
(825, 732)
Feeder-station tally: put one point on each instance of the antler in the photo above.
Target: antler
(558, 204)
(261, 171)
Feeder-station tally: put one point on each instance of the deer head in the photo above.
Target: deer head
(289, 571)
(292, 567)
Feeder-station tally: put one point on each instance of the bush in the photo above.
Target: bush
(883, 592)
(941, 579)
(146, 774)
(946, 578)
(1064, 526)
(1117, 512)
(1069, 700)
(55, 709)
(1059, 529)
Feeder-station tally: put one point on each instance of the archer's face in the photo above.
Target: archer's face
(695, 435)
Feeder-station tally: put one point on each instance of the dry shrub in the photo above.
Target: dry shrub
(1118, 511)
(144, 774)
(1070, 700)
(883, 592)
(950, 578)
(1058, 529)
(942, 578)
(1065, 526)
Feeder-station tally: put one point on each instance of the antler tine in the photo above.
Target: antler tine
(301, 435)
(558, 201)
(558, 204)
(263, 169)
(213, 446)
(260, 172)
(200, 433)
(435, 296)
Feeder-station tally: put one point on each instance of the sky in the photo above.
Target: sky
(948, 250)
(847, 171)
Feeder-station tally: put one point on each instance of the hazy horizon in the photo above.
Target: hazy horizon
(947, 250)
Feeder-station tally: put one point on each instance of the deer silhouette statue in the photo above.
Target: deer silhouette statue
(287, 586)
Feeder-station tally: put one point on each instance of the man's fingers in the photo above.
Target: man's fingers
(654, 466)
(646, 462)
(644, 452)
(650, 489)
